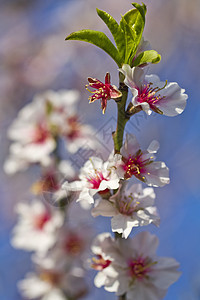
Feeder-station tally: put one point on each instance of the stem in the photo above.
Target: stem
(122, 117)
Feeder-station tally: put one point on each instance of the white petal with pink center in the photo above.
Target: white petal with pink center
(32, 139)
(63, 116)
(95, 176)
(137, 271)
(152, 94)
(72, 247)
(34, 131)
(102, 261)
(129, 208)
(37, 226)
(141, 164)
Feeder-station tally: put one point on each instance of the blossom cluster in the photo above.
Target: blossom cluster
(59, 250)
(39, 126)
(132, 267)
(129, 207)
(121, 187)
(44, 227)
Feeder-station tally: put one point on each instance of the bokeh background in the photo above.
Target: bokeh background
(34, 57)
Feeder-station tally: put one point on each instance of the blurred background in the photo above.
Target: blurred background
(34, 56)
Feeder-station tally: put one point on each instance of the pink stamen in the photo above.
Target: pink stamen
(96, 179)
(139, 268)
(103, 91)
(149, 95)
(135, 165)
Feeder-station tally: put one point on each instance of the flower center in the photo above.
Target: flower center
(102, 91)
(135, 165)
(99, 263)
(40, 134)
(73, 244)
(53, 278)
(150, 95)
(74, 128)
(139, 268)
(127, 205)
(48, 183)
(96, 179)
(41, 220)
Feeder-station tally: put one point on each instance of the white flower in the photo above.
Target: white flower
(37, 227)
(95, 176)
(61, 101)
(72, 247)
(152, 94)
(102, 260)
(62, 114)
(54, 284)
(32, 138)
(56, 279)
(141, 164)
(129, 208)
(49, 116)
(137, 271)
(77, 135)
(50, 184)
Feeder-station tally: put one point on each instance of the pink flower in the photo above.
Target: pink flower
(104, 91)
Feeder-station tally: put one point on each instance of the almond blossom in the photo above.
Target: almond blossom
(141, 164)
(51, 115)
(54, 283)
(50, 183)
(61, 108)
(132, 267)
(152, 94)
(32, 138)
(72, 246)
(102, 261)
(95, 177)
(37, 226)
(129, 208)
(104, 91)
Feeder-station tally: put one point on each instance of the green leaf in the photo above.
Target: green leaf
(149, 56)
(139, 22)
(130, 17)
(98, 39)
(129, 40)
(132, 23)
(141, 8)
(115, 30)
